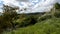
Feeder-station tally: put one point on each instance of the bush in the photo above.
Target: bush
(44, 17)
(57, 10)
(4, 24)
(9, 14)
(50, 26)
(57, 14)
(23, 22)
(57, 6)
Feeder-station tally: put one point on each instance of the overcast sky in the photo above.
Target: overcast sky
(31, 5)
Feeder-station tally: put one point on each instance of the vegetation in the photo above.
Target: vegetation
(47, 23)
(7, 18)
(23, 22)
(50, 26)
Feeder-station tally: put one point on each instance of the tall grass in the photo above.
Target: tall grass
(50, 26)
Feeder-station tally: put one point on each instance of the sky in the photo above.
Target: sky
(31, 5)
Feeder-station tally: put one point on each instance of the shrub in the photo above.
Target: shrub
(57, 14)
(57, 10)
(44, 17)
(25, 21)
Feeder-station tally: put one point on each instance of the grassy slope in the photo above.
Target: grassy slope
(50, 26)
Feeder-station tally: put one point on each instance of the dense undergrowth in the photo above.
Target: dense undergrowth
(49, 26)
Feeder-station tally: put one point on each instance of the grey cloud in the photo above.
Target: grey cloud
(58, 1)
(23, 0)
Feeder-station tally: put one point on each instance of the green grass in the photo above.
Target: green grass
(49, 26)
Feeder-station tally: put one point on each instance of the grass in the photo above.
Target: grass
(50, 26)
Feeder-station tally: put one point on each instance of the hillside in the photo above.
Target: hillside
(33, 23)
(49, 26)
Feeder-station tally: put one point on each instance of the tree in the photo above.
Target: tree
(9, 14)
(57, 10)
(57, 6)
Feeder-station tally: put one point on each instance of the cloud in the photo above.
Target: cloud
(23, 0)
(46, 3)
(32, 5)
(12, 2)
(15, 3)
(43, 6)
(58, 1)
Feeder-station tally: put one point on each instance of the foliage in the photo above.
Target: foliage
(44, 17)
(57, 14)
(50, 26)
(9, 14)
(57, 10)
(25, 21)
(44, 24)
(57, 6)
